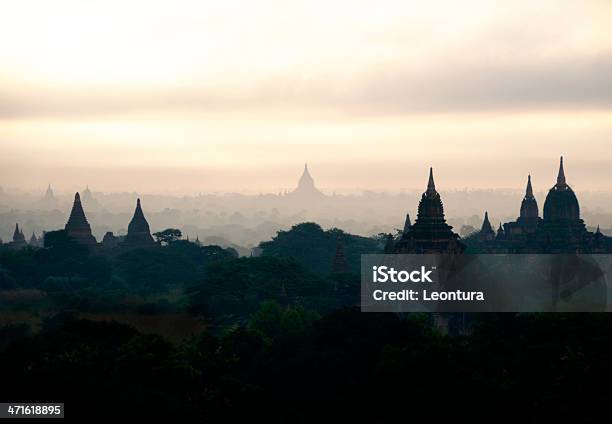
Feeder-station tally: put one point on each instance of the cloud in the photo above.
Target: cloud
(388, 89)
(570, 83)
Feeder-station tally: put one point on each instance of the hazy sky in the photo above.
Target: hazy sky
(199, 96)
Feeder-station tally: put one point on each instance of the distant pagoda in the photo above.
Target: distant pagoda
(77, 226)
(138, 229)
(33, 240)
(48, 201)
(49, 196)
(486, 231)
(19, 241)
(430, 233)
(306, 187)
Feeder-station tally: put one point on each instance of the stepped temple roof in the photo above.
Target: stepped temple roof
(430, 233)
(77, 226)
(138, 229)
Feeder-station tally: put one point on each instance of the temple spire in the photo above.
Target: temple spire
(431, 185)
(17, 233)
(49, 192)
(486, 224)
(77, 215)
(407, 224)
(561, 182)
(529, 191)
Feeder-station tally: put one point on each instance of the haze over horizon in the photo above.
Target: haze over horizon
(188, 97)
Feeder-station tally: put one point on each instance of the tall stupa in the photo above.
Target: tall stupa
(77, 226)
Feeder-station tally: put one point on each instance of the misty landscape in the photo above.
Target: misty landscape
(242, 221)
(195, 194)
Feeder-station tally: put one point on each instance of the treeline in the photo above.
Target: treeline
(294, 269)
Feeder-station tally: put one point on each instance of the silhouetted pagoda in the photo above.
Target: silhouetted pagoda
(138, 229)
(430, 232)
(77, 226)
(486, 232)
(561, 230)
(407, 225)
(19, 241)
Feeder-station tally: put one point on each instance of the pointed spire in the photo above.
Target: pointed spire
(138, 228)
(486, 224)
(77, 215)
(431, 185)
(500, 232)
(561, 182)
(529, 190)
(598, 229)
(407, 224)
(16, 233)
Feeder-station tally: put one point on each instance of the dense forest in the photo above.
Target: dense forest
(184, 331)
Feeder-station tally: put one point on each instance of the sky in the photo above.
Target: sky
(197, 96)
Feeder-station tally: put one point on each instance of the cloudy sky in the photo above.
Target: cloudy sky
(199, 96)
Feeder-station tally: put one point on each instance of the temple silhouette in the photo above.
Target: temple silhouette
(139, 233)
(306, 188)
(430, 232)
(78, 229)
(19, 241)
(560, 230)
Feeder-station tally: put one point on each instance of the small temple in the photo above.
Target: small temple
(430, 233)
(77, 227)
(486, 233)
(139, 232)
(407, 224)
